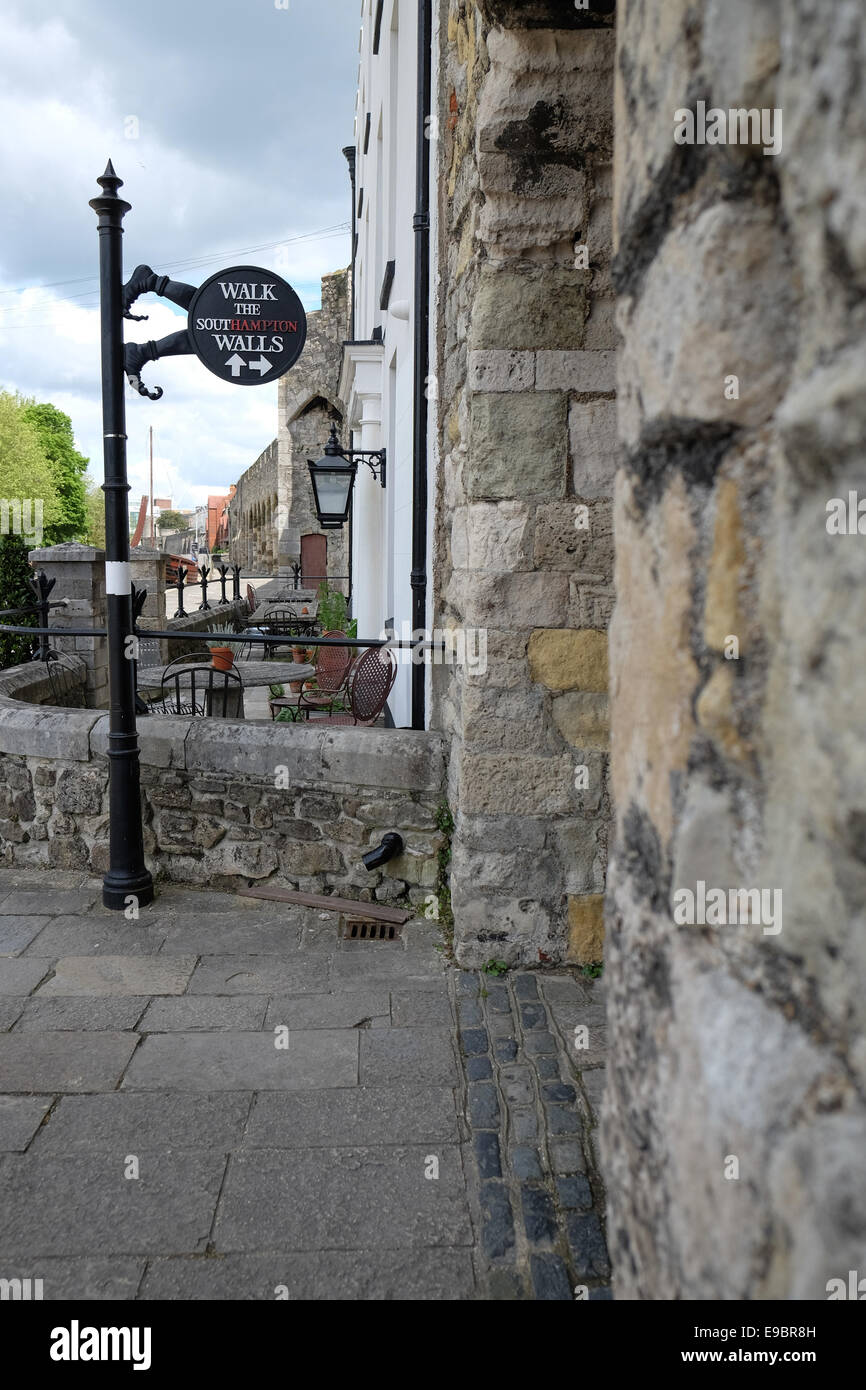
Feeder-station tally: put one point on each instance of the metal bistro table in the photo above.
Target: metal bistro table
(252, 673)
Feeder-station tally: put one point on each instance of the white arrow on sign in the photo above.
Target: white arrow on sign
(262, 366)
(235, 362)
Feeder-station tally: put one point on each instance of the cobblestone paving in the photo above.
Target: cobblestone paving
(224, 1100)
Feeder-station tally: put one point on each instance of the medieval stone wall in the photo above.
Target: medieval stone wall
(523, 545)
(253, 514)
(735, 1121)
(273, 507)
(308, 405)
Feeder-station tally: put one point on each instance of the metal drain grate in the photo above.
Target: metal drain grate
(362, 929)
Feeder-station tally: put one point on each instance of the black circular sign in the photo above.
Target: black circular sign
(247, 325)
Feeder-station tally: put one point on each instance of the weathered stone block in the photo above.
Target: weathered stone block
(562, 542)
(489, 369)
(491, 536)
(575, 371)
(564, 659)
(527, 309)
(585, 928)
(493, 783)
(516, 445)
(583, 718)
(594, 447)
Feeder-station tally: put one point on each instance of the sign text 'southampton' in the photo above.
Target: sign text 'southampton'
(247, 325)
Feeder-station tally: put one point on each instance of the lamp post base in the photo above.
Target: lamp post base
(119, 889)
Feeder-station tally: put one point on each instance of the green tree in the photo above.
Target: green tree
(94, 506)
(172, 521)
(68, 468)
(15, 593)
(26, 476)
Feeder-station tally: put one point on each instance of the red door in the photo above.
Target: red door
(314, 560)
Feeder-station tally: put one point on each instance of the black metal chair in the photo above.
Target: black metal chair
(61, 671)
(200, 689)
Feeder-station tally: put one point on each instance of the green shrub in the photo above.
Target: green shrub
(15, 592)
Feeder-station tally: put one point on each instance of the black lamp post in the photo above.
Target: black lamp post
(127, 875)
(333, 478)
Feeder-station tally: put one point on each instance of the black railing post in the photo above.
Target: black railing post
(42, 586)
(127, 877)
(296, 571)
(222, 570)
(236, 581)
(139, 598)
(204, 606)
(181, 580)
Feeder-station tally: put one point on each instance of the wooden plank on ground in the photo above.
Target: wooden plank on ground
(376, 911)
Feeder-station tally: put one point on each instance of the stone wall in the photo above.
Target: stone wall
(225, 803)
(523, 542)
(309, 404)
(735, 1123)
(253, 515)
(273, 508)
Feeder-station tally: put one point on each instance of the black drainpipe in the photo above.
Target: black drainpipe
(349, 152)
(421, 224)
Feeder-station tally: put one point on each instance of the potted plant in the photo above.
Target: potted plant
(222, 652)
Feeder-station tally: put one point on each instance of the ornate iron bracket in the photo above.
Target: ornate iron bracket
(145, 281)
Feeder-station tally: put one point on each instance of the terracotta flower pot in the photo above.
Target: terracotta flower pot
(296, 687)
(222, 658)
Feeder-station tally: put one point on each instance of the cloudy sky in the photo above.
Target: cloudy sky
(226, 120)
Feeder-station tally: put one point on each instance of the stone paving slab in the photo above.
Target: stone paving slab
(302, 1168)
(190, 1013)
(123, 1122)
(362, 1008)
(11, 1009)
(49, 900)
(168, 1209)
(96, 936)
(421, 1008)
(407, 1113)
(20, 1117)
(342, 1199)
(16, 933)
(372, 968)
(115, 975)
(81, 1014)
(244, 1061)
(247, 974)
(227, 935)
(19, 975)
(422, 1055)
(49, 1062)
(89, 1280)
(333, 1275)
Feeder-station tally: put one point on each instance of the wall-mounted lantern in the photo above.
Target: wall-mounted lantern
(333, 478)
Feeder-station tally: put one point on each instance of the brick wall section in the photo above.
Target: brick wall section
(727, 1041)
(526, 379)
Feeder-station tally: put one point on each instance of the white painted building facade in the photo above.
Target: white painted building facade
(377, 376)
